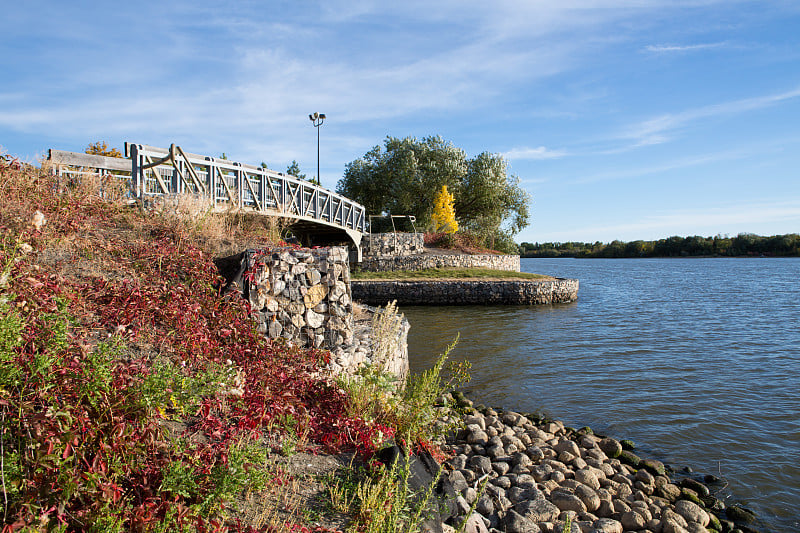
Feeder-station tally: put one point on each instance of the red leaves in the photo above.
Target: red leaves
(82, 450)
(34, 283)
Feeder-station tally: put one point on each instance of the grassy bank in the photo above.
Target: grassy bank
(447, 274)
(134, 397)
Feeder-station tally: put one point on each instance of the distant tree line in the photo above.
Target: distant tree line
(744, 244)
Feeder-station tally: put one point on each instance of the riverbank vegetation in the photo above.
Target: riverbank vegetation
(404, 177)
(134, 397)
(446, 273)
(743, 245)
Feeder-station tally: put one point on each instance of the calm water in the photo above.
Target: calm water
(695, 360)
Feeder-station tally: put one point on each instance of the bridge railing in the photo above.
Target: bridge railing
(74, 164)
(160, 171)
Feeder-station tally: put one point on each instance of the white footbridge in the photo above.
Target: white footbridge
(315, 214)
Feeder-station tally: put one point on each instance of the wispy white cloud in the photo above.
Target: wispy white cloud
(540, 152)
(637, 172)
(754, 150)
(244, 80)
(736, 214)
(659, 129)
(664, 48)
(265, 88)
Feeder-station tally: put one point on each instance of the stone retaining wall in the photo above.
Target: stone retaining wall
(385, 245)
(421, 262)
(301, 295)
(386, 348)
(466, 292)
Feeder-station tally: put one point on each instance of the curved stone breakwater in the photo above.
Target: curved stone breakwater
(465, 292)
(523, 474)
(425, 261)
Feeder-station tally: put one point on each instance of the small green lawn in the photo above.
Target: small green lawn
(446, 273)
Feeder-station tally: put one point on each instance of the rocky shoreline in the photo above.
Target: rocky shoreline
(526, 474)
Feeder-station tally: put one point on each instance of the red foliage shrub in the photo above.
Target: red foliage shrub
(79, 444)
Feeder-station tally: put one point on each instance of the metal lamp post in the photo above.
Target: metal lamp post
(317, 119)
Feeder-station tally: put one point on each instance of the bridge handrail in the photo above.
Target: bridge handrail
(157, 171)
(61, 158)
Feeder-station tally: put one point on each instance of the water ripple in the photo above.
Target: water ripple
(696, 360)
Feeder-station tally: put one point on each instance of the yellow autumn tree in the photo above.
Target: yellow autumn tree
(444, 214)
(101, 148)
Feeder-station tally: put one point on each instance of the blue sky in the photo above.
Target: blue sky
(624, 119)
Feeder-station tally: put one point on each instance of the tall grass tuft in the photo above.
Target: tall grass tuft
(387, 324)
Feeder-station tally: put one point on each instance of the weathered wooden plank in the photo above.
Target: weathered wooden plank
(252, 192)
(161, 151)
(154, 170)
(75, 159)
(225, 183)
(190, 167)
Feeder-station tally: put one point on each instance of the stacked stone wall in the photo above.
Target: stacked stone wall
(386, 349)
(376, 246)
(466, 292)
(424, 261)
(302, 295)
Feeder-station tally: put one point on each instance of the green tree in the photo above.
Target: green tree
(294, 170)
(404, 175)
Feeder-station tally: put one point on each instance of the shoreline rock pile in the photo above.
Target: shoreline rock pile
(522, 474)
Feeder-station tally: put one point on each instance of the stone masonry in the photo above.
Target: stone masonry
(377, 246)
(466, 292)
(424, 261)
(386, 252)
(302, 295)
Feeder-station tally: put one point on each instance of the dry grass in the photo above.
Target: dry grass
(93, 249)
(220, 232)
(298, 493)
(386, 326)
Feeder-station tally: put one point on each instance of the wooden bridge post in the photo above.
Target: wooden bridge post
(177, 186)
(262, 186)
(212, 180)
(136, 170)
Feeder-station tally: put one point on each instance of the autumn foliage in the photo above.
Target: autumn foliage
(133, 395)
(101, 148)
(444, 215)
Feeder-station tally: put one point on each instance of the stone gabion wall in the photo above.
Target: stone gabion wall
(302, 295)
(391, 357)
(516, 292)
(381, 245)
(421, 262)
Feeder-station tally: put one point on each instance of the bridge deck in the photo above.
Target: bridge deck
(228, 184)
